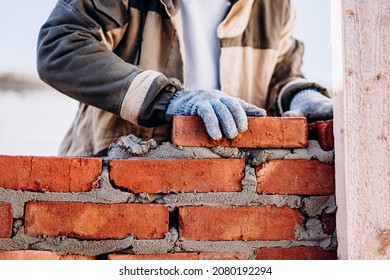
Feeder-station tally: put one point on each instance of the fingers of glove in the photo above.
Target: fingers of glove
(226, 120)
(293, 113)
(237, 112)
(321, 112)
(252, 110)
(206, 112)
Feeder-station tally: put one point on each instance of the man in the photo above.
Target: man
(134, 64)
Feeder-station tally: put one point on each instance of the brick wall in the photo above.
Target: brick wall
(269, 194)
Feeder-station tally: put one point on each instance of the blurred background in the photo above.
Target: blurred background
(34, 118)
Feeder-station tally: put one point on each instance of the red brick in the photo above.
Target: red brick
(295, 253)
(5, 220)
(263, 132)
(95, 221)
(163, 176)
(300, 177)
(181, 256)
(328, 222)
(322, 131)
(40, 255)
(238, 223)
(53, 174)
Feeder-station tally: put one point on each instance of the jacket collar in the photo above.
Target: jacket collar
(171, 6)
(237, 19)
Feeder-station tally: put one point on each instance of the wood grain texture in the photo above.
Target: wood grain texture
(362, 125)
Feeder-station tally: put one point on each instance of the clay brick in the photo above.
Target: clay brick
(263, 132)
(322, 131)
(53, 174)
(40, 255)
(328, 222)
(5, 220)
(300, 177)
(163, 176)
(181, 256)
(95, 221)
(238, 223)
(295, 253)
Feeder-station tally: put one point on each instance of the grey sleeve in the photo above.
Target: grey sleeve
(72, 58)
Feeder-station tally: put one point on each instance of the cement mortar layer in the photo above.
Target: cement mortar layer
(104, 194)
(310, 233)
(171, 243)
(131, 147)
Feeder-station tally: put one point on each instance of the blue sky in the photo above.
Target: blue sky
(20, 27)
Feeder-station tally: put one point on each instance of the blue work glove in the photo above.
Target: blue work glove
(311, 104)
(221, 113)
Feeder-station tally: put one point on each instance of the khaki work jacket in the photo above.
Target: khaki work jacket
(123, 60)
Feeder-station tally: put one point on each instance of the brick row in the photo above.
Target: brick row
(322, 131)
(181, 256)
(238, 223)
(40, 255)
(163, 176)
(263, 132)
(300, 177)
(5, 220)
(295, 253)
(96, 221)
(53, 174)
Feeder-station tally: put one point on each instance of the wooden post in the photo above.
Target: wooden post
(361, 68)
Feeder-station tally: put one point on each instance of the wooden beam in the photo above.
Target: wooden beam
(361, 65)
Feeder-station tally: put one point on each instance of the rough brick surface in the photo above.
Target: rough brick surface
(40, 255)
(238, 223)
(262, 133)
(53, 174)
(300, 177)
(163, 176)
(182, 256)
(322, 131)
(96, 221)
(328, 222)
(295, 253)
(5, 220)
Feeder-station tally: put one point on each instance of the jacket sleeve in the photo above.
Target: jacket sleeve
(73, 58)
(288, 79)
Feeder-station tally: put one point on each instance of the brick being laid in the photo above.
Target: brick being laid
(263, 132)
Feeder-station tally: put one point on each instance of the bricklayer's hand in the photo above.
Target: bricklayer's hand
(311, 104)
(221, 113)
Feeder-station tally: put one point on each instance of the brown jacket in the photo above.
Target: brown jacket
(123, 61)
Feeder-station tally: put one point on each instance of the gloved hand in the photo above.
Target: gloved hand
(221, 113)
(311, 104)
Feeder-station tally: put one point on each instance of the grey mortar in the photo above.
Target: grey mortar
(315, 205)
(105, 194)
(242, 246)
(310, 234)
(313, 151)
